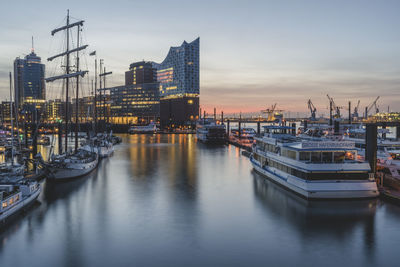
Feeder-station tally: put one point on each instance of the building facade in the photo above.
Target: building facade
(135, 104)
(141, 72)
(29, 83)
(179, 84)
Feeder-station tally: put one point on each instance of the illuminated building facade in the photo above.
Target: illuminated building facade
(135, 104)
(179, 84)
(5, 111)
(29, 81)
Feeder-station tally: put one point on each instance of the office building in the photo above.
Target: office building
(29, 83)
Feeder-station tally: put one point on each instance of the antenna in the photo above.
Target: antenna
(33, 48)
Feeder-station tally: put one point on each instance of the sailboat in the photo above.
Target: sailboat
(100, 142)
(70, 164)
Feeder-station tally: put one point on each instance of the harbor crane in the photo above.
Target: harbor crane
(369, 107)
(356, 108)
(313, 110)
(333, 107)
(273, 114)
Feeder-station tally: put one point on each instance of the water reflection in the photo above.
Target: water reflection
(336, 221)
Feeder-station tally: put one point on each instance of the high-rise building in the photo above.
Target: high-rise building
(179, 84)
(29, 81)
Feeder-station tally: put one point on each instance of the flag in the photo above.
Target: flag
(93, 53)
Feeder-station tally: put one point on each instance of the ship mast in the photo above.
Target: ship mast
(12, 124)
(67, 74)
(77, 94)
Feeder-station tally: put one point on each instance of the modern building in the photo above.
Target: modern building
(29, 81)
(135, 104)
(55, 110)
(138, 101)
(179, 84)
(141, 72)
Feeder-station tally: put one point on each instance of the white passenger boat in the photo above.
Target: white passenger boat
(150, 128)
(15, 196)
(208, 131)
(313, 168)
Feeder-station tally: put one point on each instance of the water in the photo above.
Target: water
(169, 201)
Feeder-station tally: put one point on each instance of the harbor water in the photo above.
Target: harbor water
(166, 200)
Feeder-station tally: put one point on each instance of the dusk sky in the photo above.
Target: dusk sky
(252, 53)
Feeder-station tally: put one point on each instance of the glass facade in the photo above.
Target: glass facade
(179, 73)
(29, 80)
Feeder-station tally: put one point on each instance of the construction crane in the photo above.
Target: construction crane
(333, 107)
(369, 107)
(355, 113)
(313, 110)
(273, 114)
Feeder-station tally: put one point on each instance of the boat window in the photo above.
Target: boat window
(338, 157)
(4, 205)
(327, 157)
(305, 156)
(16, 198)
(315, 156)
(337, 176)
(350, 155)
(292, 154)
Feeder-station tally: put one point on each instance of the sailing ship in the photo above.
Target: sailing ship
(70, 164)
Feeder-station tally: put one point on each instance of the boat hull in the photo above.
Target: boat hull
(78, 170)
(25, 203)
(321, 189)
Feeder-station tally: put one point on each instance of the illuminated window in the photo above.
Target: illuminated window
(4, 205)
(190, 101)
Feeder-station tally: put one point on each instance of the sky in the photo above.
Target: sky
(252, 53)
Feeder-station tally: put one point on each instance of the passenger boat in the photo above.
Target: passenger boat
(150, 128)
(245, 138)
(17, 195)
(317, 168)
(208, 131)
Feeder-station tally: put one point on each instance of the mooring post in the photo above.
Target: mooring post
(59, 139)
(397, 132)
(383, 131)
(371, 145)
(227, 128)
(336, 128)
(305, 122)
(258, 128)
(240, 124)
(293, 128)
